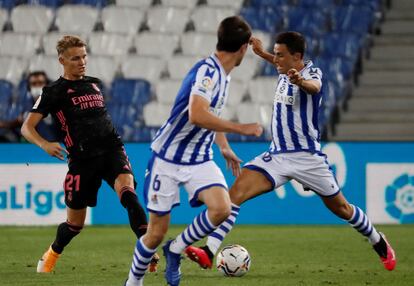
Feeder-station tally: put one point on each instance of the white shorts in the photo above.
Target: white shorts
(163, 181)
(311, 170)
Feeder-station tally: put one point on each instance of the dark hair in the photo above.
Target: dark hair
(36, 73)
(233, 33)
(294, 42)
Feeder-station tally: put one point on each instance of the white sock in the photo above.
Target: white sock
(197, 230)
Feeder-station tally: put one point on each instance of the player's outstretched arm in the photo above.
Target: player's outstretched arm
(232, 161)
(309, 86)
(29, 132)
(200, 115)
(258, 49)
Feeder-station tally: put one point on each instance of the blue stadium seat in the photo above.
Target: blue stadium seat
(353, 19)
(94, 3)
(321, 4)
(48, 3)
(130, 91)
(340, 45)
(144, 134)
(6, 92)
(268, 69)
(266, 18)
(273, 3)
(307, 21)
(9, 4)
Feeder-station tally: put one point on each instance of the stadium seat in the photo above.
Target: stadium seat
(322, 4)
(76, 18)
(207, 19)
(248, 112)
(102, 67)
(7, 4)
(31, 19)
(235, 4)
(132, 19)
(6, 91)
(174, 19)
(130, 92)
(93, 3)
(355, 19)
(247, 69)
(307, 21)
(189, 4)
(155, 113)
(198, 44)
(12, 68)
(237, 91)
(340, 45)
(143, 4)
(49, 64)
(4, 16)
(50, 40)
(268, 3)
(265, 18)
(49, 3)
(178, 66)
(156, 44)
(109, 44)
(137, 67)
(268, 69)
(262, 90)
(166, 90)
(144, 134)
(19, 44)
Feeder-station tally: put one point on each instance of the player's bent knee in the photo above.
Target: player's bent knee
(218, 214)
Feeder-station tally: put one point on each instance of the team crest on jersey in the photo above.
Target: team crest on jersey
(37, 102)
(95, 87)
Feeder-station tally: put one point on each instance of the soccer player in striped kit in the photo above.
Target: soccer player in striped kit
(295, 151)
(182, 154)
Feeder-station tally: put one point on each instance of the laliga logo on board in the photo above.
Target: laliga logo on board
(336, 159)
(399, 198)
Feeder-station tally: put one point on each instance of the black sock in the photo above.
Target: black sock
(136, 214)
(64, 235)
(381, 248)
(208, 251)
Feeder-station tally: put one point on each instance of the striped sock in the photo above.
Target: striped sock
(215, 239)
(197, 230)
(141, 259)
(363, 225)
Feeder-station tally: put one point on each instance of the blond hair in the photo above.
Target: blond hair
(69, 42)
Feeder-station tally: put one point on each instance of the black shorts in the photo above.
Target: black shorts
(84, 177)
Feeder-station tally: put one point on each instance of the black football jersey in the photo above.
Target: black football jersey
(78, 109)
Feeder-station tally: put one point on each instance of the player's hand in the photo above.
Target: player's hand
(295, 77)
(257, 45)
(232, 161)
(252, 129)
(54, 149)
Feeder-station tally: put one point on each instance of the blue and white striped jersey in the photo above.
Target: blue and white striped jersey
(295, 115)
(178, 140)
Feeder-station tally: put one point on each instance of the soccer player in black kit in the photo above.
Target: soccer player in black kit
(93, 147)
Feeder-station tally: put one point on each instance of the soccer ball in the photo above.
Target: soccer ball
(233, 260)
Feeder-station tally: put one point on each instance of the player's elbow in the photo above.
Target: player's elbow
(24, 129)
(194, 118)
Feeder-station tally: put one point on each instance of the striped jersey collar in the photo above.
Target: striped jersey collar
(217, 61)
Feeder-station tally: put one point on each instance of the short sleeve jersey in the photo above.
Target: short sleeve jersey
(79, 112)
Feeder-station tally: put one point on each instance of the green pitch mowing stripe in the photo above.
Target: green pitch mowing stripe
(281, 255)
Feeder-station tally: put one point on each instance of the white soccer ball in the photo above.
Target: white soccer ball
(233, 260)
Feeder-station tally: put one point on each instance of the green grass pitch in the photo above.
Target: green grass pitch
(281, 255)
